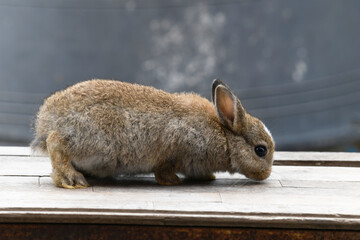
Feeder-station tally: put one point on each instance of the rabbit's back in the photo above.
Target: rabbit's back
(122, 127)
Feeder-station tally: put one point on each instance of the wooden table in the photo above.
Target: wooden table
(308, 196)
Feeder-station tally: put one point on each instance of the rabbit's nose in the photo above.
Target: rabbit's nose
(259, 176)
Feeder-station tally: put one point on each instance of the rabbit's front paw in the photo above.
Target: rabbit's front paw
(167, 179)
(165, 174)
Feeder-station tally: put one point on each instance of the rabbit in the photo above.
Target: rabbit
(107, 128)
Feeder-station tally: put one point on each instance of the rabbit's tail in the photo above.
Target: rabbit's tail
(39, 144)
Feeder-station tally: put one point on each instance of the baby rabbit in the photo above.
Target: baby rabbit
(109, 128)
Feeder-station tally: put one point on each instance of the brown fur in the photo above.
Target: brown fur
(108, 128)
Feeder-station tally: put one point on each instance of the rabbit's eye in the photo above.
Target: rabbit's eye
(261, 151)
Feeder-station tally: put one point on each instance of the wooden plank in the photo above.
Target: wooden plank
(293, 197)
(249, 205)
(340, 159)
(335, 174)
(19, 184)
(354, 186)
(24, 166)
(15, 151)
(179, 218)
(40, 166)
(96, 231)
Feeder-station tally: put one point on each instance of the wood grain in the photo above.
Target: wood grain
(14, 151)
(294, 197)
(95, 232)
(339, 159)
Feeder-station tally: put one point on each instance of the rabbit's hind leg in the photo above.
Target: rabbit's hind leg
(63, 173)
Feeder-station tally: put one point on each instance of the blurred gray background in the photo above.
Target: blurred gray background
(294, 64)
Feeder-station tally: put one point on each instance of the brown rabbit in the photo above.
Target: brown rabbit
(109, 128)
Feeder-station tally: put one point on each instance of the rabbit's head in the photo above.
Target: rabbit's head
(251, 146)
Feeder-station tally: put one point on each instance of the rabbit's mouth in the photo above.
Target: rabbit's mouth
(259, 176)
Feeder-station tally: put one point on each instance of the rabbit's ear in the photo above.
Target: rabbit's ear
(215, 83)
(228, 107)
